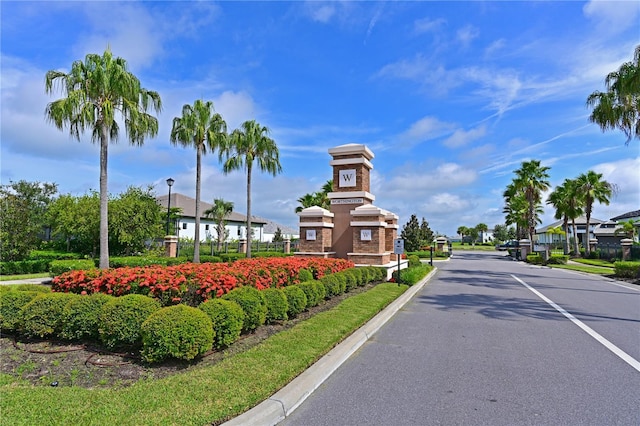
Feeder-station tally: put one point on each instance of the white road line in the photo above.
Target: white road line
(607, 344)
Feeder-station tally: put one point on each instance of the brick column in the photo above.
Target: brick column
(368, 224)
(316, 232)
(171, 245)
(626, 248)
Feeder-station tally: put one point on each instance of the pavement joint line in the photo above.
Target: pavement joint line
(591, 332)
(300, 388)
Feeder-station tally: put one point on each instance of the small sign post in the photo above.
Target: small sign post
(398, 249)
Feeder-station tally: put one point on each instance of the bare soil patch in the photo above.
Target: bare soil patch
(88, 365)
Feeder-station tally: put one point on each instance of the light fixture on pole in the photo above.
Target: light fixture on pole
(170, 183)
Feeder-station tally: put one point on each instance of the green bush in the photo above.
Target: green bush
(296, 299)
(231, 257)
(334, 285)
(376, 273)
(414, 261)
(210, 259)
(23, 267)
(627, 269)
(277, 305)
(179, 331)
(305, 275)
(558, 259)
(535, 259)
(53, 255)
(320, 289)
(80, 317)
(350, 279)
(227, 318)
(309, 289)
(133, 261)
(121, 317)
(43, 316)
(11, 303)
(39, 288)
(357, 272)
(57, 267)
(411, 276)
(253, 305)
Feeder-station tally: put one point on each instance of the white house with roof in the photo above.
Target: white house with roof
(236, 223)
(546, 234)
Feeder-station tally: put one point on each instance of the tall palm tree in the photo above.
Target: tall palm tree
(320, 198)
(98, 90)
(619, 106)
(205, 130)
(565, 200)
(249, 143)
(307, 200)
(593, 189)
(219, 212)
(462, 231)
(531, 180)
(515, 209)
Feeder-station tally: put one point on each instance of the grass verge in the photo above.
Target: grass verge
(594, 262)
(24, 276)
(199, 396)
(585, 268)
(458, 246)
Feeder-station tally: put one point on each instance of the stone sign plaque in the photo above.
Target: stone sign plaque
(347, 201)
(347, 178)
(311, 234)
(365, 234)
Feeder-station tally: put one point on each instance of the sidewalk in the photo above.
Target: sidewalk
(44, 281)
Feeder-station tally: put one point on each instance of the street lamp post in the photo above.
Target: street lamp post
(170, 183)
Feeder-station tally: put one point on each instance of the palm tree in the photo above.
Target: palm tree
(320, 198)
(218, 212)
(515, 209)
(200, 128)
(628, 228)
(97, 91)
(307, 200)
(531, 180)
(619, 106)
(248, 144)
(593, 189)
(565, 200)
(462, 231)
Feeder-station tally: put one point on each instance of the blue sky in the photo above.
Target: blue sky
(450, 96)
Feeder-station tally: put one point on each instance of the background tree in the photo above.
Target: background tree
(592, 189)
(320, 198)
(628, 228)
(248, 144)
(277, 236)
(411, 234)
(462, 231)
(136, 219)
(203, 129)
(566, 201)
(473, 235)
(426, 234)
(530, 182)
(22, 217)
(481, 228)
(219, 211)
(174, 215)
(502, 233)
(619, 106)
(75, 222)
(97, 91)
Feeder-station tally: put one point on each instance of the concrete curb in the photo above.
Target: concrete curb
(281, 404)
(43, 281)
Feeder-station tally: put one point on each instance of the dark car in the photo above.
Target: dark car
(511, 244)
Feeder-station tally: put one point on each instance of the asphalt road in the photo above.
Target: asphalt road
(490, 341)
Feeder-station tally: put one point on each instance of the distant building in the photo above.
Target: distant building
(545, 235)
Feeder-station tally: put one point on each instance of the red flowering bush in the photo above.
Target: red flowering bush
(193, 283)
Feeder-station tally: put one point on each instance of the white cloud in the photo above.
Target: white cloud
(461, 137)
(425, 25)
(613, 16)
(235, 108)
(322, 12)
(467, 34)
(447, 203)
(425, 129)
(625, 175)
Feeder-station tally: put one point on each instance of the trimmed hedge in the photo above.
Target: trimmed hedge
(252, 303)
(80, 317)
(334, 285)
(277, 305)
(121, 317)
(627, 269)
(11, 304)
(180, 332)
(57, 267)
(296, 300)
(24, 267)
(309, 288)
(43, 316)
(305, 275)
(414, 261)
(227, 318)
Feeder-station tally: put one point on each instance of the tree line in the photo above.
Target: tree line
(100, 90)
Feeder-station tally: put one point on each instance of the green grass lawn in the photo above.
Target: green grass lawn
(594, 262)
(200, 395)
(459, 246)
(23, 276)
(586, 268)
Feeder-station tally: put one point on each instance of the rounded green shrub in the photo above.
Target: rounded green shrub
(39, 288)
(227, 318)
(334, 285)
(321, 290)
(80, 317)
(357, 272)
(179, 331)
(414, 261)
(296, 299)
(350, 279)
(253, 305)
(277, 305)
(11, 303)
(305, 275)
(121, 317)
(57, 267)
(309, 290)
(42, 317)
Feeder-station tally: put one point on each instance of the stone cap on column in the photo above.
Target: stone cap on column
(351, 149)
(626, 241)
(315, 211)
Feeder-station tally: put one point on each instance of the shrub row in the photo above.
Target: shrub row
(59, 267)
(554, 259)
(140, 322)
(627, 269)
(426, 254)
(24, 267)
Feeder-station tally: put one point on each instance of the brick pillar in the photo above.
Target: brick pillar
(626, 248)
(593, 242)
(171, 245)
(316, 231)
(242, 245)
(441, 243)
(287, 246)
(390, 233)
(525, 248)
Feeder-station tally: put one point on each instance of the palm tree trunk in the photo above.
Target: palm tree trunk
(587, 248)
(196, 237)
(566, 236)
(248, 210)
(576, 250)
(104, 199)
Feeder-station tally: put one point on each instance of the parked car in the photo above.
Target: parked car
(511, 244)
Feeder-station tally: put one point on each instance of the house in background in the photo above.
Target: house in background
(270, 228)
(546, 235)
(633, 216)
(236, 223)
